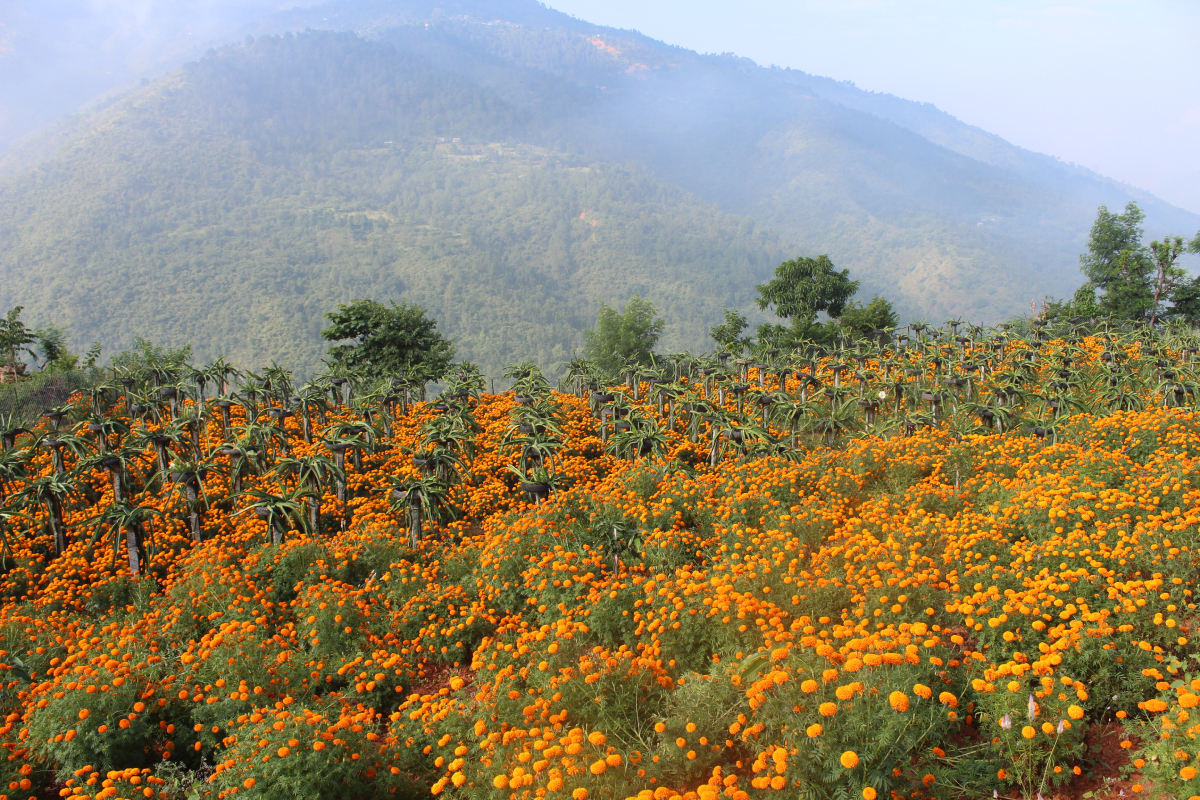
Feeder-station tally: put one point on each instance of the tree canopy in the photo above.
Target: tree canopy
(729, 333)
(802, 288)
(1118, 265)
(393, 339)
(862, 321)
(14, 336)
(624, 337)
(1127, 279)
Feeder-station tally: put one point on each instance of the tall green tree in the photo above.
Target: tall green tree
(801, 289)
(729, 333)
(1186, 302)
(622, 337)
(1168, 277)
(1118, 265)
(387, 339)
(14, 336)
(51, 349)
(1130, 280)
(1185, 298)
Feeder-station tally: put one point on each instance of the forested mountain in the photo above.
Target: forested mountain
(232, 202)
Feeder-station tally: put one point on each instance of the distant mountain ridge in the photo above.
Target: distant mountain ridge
(375, 17)
(232, 202)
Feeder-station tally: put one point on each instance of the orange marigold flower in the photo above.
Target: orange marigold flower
(899, 701)
(849, 759)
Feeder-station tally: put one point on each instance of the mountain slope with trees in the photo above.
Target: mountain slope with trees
(235, 203)
(702, 121)
(232, 202)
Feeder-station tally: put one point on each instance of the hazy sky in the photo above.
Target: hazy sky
(1113, 85)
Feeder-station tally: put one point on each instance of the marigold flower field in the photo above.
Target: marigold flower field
(678, 591)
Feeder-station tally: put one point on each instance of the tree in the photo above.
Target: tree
(623, 337)
(801, 289)
(51, 348)
(729, 333)
(13, 336)
(862, 321)
(1127, 279)
(387, 340)
(1118, 265)
(1167, 276)
(1185, 302)
(1084, 303)
(1185, 298)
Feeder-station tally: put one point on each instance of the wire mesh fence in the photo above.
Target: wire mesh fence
(23, 401)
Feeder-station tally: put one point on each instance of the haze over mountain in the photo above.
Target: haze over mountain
(230, 203)
(57, 55)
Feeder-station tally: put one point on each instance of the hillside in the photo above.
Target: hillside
(234, 201)
(716, 96)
